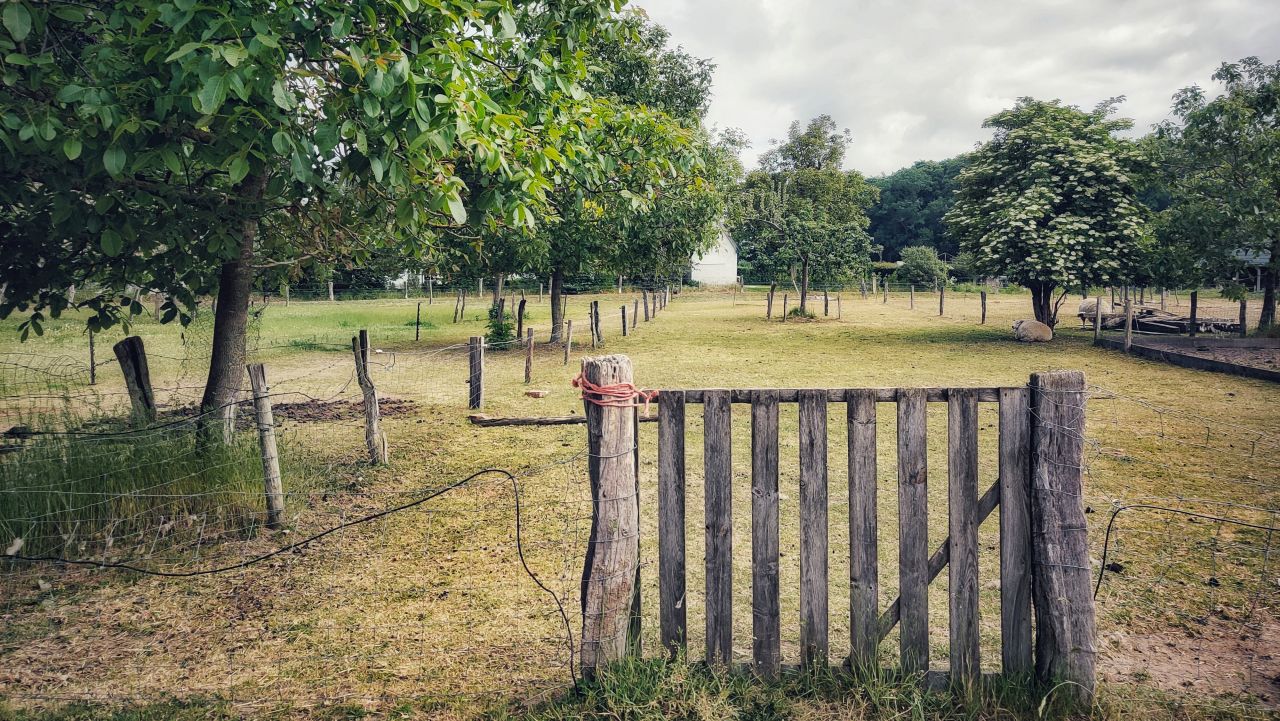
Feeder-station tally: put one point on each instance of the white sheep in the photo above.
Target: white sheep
(1089, 305)
(1032, 331)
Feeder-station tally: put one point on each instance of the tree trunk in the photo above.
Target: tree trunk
(497, 289)
(1270, 274)
(557, 312)
(804, 287)
(1042, 303)
(231, 316)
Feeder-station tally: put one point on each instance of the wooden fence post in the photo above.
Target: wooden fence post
(1128, 325)
(1064, 609)
(520, 320)
(1195, 307)
(983, 296)
(768, 303)
(1244, 317)
(417, 323)
(885, 287)
(431, 291)
(330, 291)
(132, 357)
(1097, 320)
(528, 357)
(839, 308)
(374, 439)
(568, 339)
(609, 585)
(644, 296)
(595, 320)
(624, 321)
(267, 442)
(784, 307)
(635, 313)
(912, 297)
(93, 361)
(475, 383)
(286, 295)
(540, 286)
(826, 304)
(942, 294)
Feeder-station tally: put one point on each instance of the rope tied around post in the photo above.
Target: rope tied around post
(616, 395)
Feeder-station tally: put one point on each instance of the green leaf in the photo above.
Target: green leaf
(234, 54)
(70, 93)
(213, 95)
(71, 148)
(280, 142)
(375, 164)
(17, 20)
(267, 40)
(281, 95)
(70, 13)
(113, 160)
(171, 161)
(457, 209)
(111, 242)
(182, 51)
(238, 169)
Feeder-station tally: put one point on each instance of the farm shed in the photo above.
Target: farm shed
(718, 266)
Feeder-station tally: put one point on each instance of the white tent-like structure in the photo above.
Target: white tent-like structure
(718, 266)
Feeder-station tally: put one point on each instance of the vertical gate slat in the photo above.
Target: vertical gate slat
(1015, 532)
(962, 512)
(813, 527)
(864, 585)
(913, 529)
(765, 614)
(717, 460)
(671, 520)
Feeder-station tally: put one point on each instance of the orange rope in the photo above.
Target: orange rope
(616, 395)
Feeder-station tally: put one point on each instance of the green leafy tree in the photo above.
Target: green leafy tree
(921, 266)
(801, 216)
(183, 146)
(912, 204)
(1050, 201)
(1221, 159)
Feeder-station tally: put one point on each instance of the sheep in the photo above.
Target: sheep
(1088, 306)
(1032, 331)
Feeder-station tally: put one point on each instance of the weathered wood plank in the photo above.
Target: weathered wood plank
(813, 528)
(864, 582)
(962, 502)
(1065, 622)
(671, 521)
(1015, 532)
(838, 395)
(913, 530)
(475, 382)
(766, 622)
(718, 482)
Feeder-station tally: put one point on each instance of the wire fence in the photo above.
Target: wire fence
(154, 574)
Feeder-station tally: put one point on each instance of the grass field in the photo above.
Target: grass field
(429, 612)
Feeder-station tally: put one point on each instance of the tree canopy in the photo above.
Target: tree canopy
(1220, 168)
(801, 215)
(913, 201)
(1050, 202)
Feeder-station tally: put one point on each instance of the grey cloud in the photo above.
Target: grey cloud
(913, 79)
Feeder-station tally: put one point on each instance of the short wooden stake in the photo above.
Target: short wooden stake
(839, 308)
(417, 323)
(1195, 307)
(520, 319)
(884, 287)
(983, 297)
(1128, 325)
(644, 296)
(475, 381)
(1097, 321)
(286, 295)
(1244, 318)
(942, 294)
(267, 443)
(93, 361)
(595, 320)
(609, 587)
(1066, 634)
(826, 304)
(635, 313)
(568, 339)
(330, 291)
(912, 297)
(785, 301)
(375, 440)
(132, 357)
(768, 303)
(528, 357)
(540, 286)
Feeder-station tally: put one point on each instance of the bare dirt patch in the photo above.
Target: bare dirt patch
(1255, 357)
(1225, 659)
(316, 411)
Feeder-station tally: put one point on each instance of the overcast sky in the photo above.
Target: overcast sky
(913, 79)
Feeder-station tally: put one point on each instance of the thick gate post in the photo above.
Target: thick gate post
(1064, 609)
(609, 575)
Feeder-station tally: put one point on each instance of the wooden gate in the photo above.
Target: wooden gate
(1042, 530)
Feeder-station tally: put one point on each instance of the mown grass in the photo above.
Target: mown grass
(428, 614)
